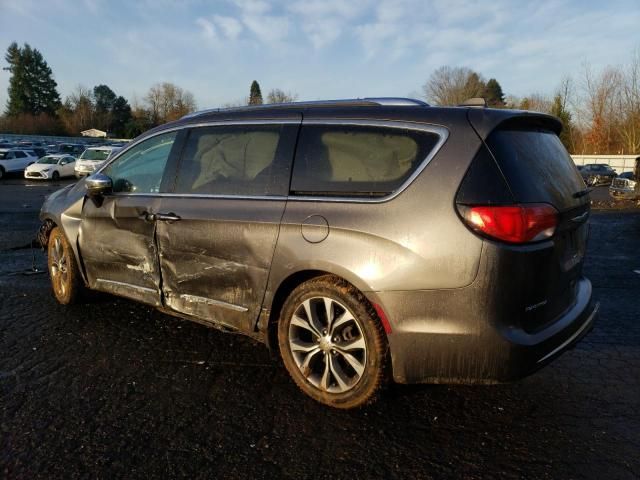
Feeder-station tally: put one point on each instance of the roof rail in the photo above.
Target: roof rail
(474, 102)
(356, 102)
(397, 101)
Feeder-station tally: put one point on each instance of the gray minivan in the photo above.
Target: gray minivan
(365, 240)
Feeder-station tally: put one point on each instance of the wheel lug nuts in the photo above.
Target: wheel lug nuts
(336, 339)
(324, 332)
(334, 353)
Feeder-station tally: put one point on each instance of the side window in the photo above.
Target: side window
(359, 161)
(140, 169)
(20, 155)
(237, 160)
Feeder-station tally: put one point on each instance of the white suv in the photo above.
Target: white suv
(15, 160)
(92, 159)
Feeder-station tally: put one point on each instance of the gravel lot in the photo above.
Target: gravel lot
(114, 389)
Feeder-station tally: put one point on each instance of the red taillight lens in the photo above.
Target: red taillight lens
(512, 223)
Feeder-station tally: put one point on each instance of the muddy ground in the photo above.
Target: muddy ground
(114, 389)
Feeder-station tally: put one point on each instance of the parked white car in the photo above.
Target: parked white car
(92, 159)
(51, 167)
(15, 160)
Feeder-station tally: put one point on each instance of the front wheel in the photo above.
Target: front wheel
(55, 175)
(1, 172)
(332, 343)
(63, 269)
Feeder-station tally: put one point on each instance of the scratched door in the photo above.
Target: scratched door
(217, 231)
(117, 234)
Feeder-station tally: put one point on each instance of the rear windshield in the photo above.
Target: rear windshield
(536, 166)
(361, 161)
(95, 154)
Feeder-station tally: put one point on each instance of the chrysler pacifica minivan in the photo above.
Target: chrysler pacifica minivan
(366, 241)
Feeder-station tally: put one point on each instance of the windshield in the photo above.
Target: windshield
(66, 148)
(95, 154)
(49, 160)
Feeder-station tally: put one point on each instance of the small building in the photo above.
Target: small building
(94, 132)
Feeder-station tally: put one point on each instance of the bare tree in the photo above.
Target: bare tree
(600, 105)
(453, 85)
(629, 106)
(166, 102)
(276, 95)
(566, 93)
(77, 112)
(536, 102)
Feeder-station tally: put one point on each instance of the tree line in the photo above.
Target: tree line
(34, 105)
(599, 110)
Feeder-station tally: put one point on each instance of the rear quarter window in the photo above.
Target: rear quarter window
(359, 161)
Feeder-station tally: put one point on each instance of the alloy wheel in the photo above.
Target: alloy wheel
(59, 268)
(327, 344)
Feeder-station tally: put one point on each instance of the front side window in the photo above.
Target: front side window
(140, 169)
(237, 160)
(359, 161)
(20, 155)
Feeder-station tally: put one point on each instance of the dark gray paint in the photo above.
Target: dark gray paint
(456, 315)
(215, 261)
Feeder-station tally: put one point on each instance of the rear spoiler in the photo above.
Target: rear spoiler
(484, 121)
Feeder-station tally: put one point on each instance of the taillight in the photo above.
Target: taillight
(512, 223)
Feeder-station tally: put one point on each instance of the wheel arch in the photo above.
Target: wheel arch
(287, 285)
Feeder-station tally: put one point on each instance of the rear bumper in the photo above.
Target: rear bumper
(623, 193)
(447, 337)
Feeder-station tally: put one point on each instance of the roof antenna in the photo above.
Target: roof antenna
(474, 102)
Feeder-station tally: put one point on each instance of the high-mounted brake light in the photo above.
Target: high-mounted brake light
(512, 223)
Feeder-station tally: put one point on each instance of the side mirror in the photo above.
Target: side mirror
(98, 185)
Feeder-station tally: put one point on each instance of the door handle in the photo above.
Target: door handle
(167, 217)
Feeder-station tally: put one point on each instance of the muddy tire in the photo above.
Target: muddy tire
(63, 269)
(332, 343)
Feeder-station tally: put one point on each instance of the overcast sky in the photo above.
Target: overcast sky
(319, 49)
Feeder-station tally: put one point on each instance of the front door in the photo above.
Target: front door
(117, 237)
(217, 231)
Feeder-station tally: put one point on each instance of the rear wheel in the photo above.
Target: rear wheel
(1, 172)
(332, 344)
(63, 269)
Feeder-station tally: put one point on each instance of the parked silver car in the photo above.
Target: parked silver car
(625, 187)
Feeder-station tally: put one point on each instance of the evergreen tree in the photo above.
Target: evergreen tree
(559, 110)
(474, 86)
(120, 117)
(32, 89)
(104, 98)
(493, 94)
(255, 95)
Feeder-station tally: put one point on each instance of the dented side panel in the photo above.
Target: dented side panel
(118, 247)
(215, 261)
